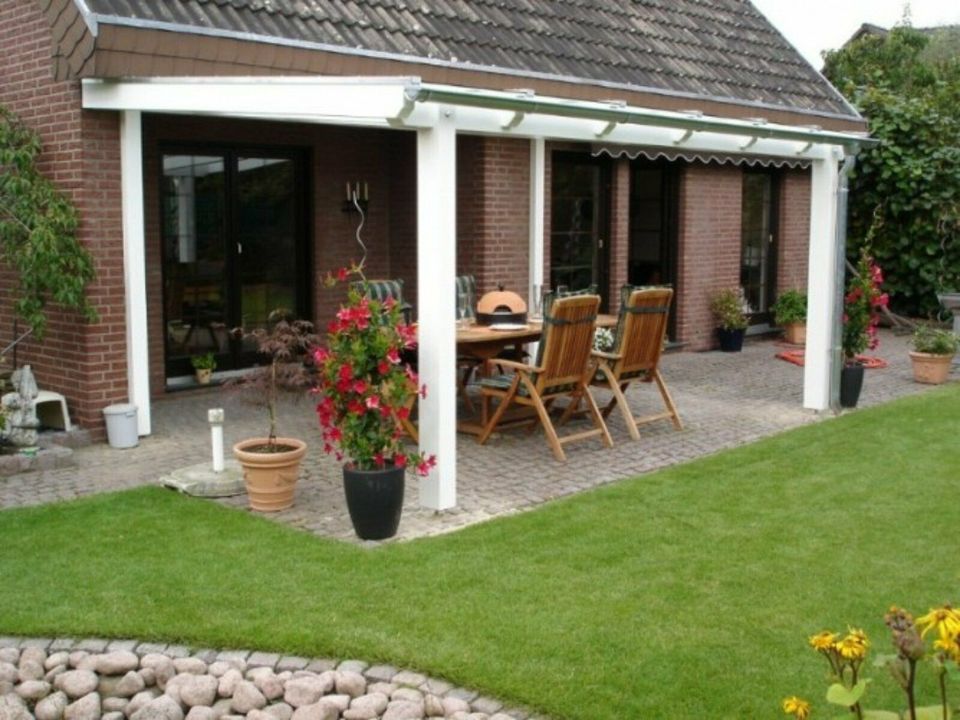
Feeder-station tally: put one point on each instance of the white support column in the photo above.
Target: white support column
(538, 170)
(436, 305)
(822, 287)
(134, 266)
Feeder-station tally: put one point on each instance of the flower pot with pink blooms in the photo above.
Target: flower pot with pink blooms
(271, 464)
(861, 317)
(364, 395)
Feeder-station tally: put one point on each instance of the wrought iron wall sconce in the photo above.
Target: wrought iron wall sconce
(357, 197)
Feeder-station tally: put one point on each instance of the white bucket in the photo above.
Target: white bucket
(121, 425)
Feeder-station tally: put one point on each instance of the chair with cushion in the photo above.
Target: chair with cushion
(638, 344)
(381, 290)
(563, 369)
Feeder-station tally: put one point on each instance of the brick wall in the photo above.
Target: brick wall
(709, 246)
(493, 212)
(794, 230)
(85, 362)
(619, 240)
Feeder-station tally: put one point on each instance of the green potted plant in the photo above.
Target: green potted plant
(861, 317)
(790, 313)
(727, 307)
(932, 355)
(203, 367)
(364, 393)
(271, 464)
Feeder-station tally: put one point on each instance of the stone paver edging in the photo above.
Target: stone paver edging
(96, 679)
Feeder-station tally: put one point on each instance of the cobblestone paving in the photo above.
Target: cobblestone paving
(724, 399)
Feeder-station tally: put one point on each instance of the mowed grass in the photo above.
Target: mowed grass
(688, 593)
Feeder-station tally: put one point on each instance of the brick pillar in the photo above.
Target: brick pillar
(709, 247)
(619, 229)
(793, 237)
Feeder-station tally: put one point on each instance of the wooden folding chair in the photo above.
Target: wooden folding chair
(638, 345)
(563, 369)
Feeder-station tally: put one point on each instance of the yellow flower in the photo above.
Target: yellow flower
(793, 705)
(823, 641)
(944, 619)
(853, 646)
(950, 647)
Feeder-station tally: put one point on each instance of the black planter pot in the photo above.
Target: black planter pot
(730, 340)
(375, 501)
(851, 382)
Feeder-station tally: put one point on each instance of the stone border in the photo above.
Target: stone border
(480, 707)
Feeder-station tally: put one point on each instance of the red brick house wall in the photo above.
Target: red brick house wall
(619, 239)
(493, 212)
(85, 362)
(709, 246)
(794, 230)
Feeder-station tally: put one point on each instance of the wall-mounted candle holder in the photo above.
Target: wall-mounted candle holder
(357, 196)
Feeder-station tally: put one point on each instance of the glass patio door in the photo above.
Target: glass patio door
(758, 259)
(579, 222)
(233, 241)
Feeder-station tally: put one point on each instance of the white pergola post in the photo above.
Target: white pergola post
(436, 303)
(538, 170)
(822, 285)
(134, 266)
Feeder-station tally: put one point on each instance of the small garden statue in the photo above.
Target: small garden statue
(20, 427)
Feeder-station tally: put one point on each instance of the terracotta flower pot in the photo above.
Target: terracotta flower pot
(795, 333)
(931, 369)
(271, 477)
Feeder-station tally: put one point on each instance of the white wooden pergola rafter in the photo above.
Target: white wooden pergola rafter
(437, 114)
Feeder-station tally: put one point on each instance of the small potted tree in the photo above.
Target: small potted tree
(271, 464)
(932, 355)
(860, 320)
(365, 391)
(203, 367)
(727, 308)
(790, 313)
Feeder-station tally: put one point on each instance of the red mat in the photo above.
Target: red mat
(796, 357)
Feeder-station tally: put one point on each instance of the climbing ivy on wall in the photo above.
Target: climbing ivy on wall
(38, 231)
(905, 193)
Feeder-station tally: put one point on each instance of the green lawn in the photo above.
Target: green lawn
(687, 593)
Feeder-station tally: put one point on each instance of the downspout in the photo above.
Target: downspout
(840, 272)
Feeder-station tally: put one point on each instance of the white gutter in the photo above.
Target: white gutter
(526, 102)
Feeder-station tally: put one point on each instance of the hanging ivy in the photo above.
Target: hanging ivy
(38, 232)
(905, 193)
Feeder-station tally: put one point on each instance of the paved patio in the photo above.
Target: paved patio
(725, 400)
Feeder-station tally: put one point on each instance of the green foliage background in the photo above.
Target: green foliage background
(38, 231)
(905, 193)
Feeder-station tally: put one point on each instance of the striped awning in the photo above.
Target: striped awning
(672, 154)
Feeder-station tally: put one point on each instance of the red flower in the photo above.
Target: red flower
(355, 407)
(346, 372)
(320, 355)
(359, 387)
(393, 355)
(378, 459)
(383, 367)
(335, 434)
(389, 303)
(373, 402)
(403, 413)
(343, 274)
(408, 334)
(399, 460)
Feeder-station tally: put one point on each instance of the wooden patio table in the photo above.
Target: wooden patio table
(485, 343)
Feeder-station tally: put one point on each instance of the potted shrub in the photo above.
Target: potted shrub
(727, 309)
(203, 367)
(932, 355)
(271, 463)
(364, 391)
(860, 319)
(790, 313)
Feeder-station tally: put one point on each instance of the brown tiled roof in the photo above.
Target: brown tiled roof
(720, 49)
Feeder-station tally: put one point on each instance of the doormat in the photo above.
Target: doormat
(796, 357)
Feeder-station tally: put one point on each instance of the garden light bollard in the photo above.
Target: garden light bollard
(215, 418)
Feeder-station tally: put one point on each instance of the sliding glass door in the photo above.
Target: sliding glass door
(758, 258)
(234, 248)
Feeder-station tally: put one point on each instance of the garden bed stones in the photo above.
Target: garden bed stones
(125, 680)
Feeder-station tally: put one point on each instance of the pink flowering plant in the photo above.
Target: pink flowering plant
(861, 309)
(364, 389)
